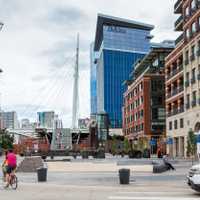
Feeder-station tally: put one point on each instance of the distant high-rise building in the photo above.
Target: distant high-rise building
(119, 43)
(9, 120)
(25, 123)
(46, 119)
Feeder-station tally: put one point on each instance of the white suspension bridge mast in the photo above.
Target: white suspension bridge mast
(76, 89)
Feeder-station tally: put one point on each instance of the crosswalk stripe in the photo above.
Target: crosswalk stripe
(149, 198)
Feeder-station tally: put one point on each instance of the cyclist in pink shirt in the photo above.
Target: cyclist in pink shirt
(11, 164)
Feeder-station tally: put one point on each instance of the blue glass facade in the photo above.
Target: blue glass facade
(120, 38)
(119, 45)
(93, 81)
(117, 67)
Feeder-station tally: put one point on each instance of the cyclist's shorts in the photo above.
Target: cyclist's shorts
(10, 169)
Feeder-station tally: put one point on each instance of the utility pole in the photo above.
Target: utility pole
(75, 89)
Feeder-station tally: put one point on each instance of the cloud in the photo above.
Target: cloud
(38, 44)
(71, 15)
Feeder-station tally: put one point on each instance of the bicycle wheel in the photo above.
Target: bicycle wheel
(14, 182)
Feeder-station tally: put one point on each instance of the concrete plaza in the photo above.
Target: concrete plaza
(98, 180)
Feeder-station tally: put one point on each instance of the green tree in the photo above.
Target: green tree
(127, 146)
(114, 145)
(191, 144)
(6, 140)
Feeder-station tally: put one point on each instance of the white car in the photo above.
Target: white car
(194, 178)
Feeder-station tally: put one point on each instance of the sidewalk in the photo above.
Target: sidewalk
(94, 167)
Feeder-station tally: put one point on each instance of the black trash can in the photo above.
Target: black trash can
(42, 174)
(124, 176)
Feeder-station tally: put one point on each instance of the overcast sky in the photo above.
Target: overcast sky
(37, 48)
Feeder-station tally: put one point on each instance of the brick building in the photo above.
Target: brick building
(144, 100)
(183, 79)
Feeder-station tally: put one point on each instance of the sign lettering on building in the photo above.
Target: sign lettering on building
(116, 29)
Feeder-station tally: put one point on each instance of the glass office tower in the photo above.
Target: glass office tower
(119, 43)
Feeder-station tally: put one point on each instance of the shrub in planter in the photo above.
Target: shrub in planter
(146, 153)
(85, 154)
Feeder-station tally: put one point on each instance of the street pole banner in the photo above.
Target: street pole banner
(198, 143)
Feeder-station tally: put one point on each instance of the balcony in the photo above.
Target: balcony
(175, 111)
(192, 57)
(187, 83)
(169, 95)
(194, 103)
(181, 109)
(168, 76)
(175, 71)
(181, 67)
(179, 39)
(187, 61)
(178, 6)
(169, 114)
(180, 89)
(193, 80)
(179, 24)
(175, 91)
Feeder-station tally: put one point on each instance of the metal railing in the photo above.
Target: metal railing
(177, 4)
(181, 109)
(180, 89)
(178, 21)
(174, 91)
(179, 39)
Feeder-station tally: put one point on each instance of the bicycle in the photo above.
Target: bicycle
(13, 183)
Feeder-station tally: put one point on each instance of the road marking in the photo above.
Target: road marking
(149, 198)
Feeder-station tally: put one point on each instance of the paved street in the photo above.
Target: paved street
(133, 191)
(99, 185)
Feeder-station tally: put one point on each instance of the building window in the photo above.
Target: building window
(194, 98)
(175, 124)
(193, 5)
(161, 114)
(187, 56)
(187, 33)
(194, 27)
(199, 20)
(155, 114)
(193, 76)
(141, 86)
(181, 123)
(142, 127)
(142, 113)
(193, 50)
(142, 99)
(188, 101)
(187, 81)
(187, 11)
(170, 125)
